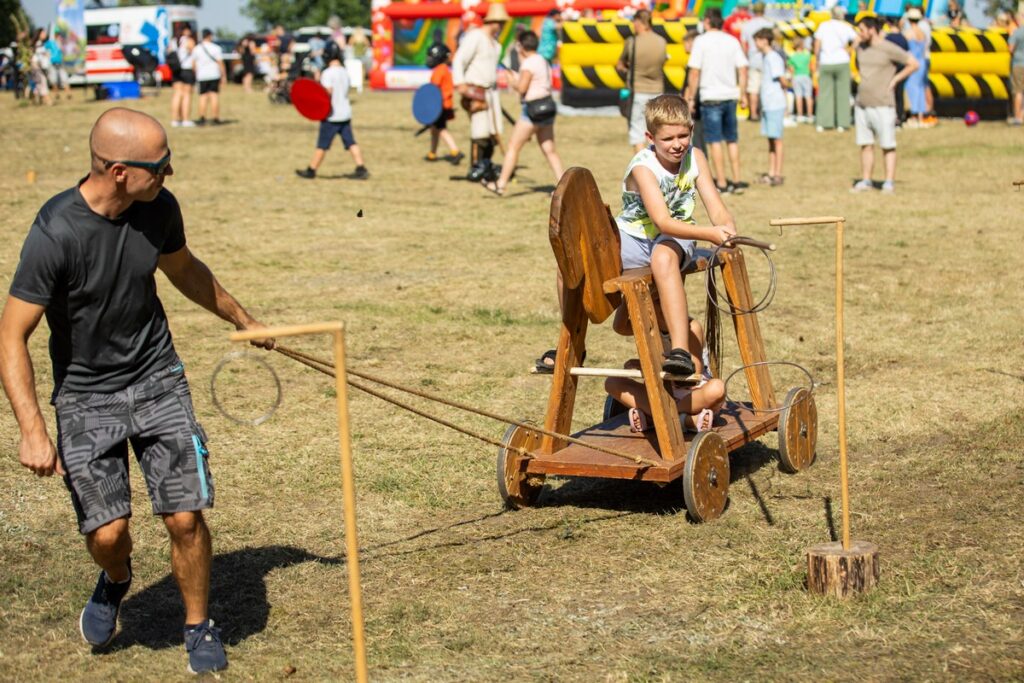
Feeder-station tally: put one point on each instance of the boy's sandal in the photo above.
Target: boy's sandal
(764, 179)
(775, 181)
(492, 186)
(678, 362)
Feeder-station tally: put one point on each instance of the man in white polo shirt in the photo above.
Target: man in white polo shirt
(719, 68)
(210, 73)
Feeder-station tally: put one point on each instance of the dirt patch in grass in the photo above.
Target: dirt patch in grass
(447, 288)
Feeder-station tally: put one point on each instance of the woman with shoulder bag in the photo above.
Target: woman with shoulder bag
(533, 83)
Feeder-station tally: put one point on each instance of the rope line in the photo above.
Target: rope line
(327, 367)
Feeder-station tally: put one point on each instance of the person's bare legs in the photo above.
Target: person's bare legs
(191, 550)
(215, 106)
(186, 102)
(1018, 106)
(734, 160)
(798, 103)
(520, 136)
(665, 263)
(175, 102)
(247, 82)
(447, 139)
(318, 158)
(546, 140)
(110, 547)
(435, 136)
(889, 157)
(357, 155)
(633, 394)
(753, 99)
(203, 104)
(775, 158)
(717, 163)
(867, 161)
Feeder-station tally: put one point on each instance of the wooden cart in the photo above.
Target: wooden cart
(585, 241)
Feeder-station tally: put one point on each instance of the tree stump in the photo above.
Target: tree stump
(842, 573)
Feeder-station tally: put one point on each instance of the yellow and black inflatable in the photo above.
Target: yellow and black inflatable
(970, 69)
(591, 49)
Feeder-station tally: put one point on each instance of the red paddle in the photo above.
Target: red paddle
(311, 99)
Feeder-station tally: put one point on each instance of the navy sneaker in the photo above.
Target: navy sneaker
(205, 651)
(98, 622)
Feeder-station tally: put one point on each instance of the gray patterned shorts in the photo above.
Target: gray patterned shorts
(156, 416)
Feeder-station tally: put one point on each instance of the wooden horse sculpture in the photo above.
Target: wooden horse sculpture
(585, 241)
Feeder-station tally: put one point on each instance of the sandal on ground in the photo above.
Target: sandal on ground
(678, 362)
(492, 186)
(776, 180)
(638, 422)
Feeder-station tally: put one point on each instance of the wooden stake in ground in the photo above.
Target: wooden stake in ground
(348, 488)
(832, 568)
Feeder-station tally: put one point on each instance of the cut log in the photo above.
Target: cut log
(842, 573)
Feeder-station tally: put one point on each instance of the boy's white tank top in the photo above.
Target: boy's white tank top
(679, 191)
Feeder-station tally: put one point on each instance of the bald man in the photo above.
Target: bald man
(88, 265)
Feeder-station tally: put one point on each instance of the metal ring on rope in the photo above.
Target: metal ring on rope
(810, 386)
(711, 286)
(239, 355)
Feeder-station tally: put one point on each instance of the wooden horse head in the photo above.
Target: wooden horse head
(585, 241)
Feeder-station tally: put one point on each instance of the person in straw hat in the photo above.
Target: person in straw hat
(475, 75)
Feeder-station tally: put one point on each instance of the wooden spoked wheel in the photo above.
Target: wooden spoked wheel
(706, 477)
(516, 488)
(798, 431)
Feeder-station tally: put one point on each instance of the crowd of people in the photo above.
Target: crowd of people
(33, 67)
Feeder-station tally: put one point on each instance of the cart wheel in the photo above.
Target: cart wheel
(612, 408)
(798, 431)
(515, 487)
(706, 477)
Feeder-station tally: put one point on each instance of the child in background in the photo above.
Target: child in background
(439, 57)
(799, 64)
(773, 103)
(656, 224)
(335, 80)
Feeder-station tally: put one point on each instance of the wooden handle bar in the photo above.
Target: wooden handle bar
(739, 241)
(816, 220)
(286, 331)
(629, 374)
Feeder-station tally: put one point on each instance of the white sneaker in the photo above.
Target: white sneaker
(188, 124)
(175, 124)
(888, 187)
(840, 129)
(789, 122)
(820, 129)
(862, 186)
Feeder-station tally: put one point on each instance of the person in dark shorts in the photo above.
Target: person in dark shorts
(87, 264)
(339, 122)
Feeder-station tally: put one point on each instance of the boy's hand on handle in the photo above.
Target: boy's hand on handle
(37, 452)
(723, 233)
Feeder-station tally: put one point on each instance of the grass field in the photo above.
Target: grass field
(449, 289)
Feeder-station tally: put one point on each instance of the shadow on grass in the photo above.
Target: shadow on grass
(648, 498)
(238, 595)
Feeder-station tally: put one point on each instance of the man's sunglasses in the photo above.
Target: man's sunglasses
(154, 167)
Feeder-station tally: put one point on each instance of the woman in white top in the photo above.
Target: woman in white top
(832, 43)
(184, 80)
(533, 83)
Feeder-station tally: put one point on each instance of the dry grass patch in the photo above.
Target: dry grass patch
(446, 288)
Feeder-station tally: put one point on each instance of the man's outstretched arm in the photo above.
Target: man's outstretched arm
(35, 449)
(193, 279)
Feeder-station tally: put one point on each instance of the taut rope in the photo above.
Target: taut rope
(327, 368)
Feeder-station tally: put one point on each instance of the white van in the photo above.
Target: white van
(110, 30)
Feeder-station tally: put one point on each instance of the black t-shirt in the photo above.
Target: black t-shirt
(94, 275)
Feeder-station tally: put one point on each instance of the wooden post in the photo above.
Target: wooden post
(850, 567)
(348, 488)
(748, 330)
